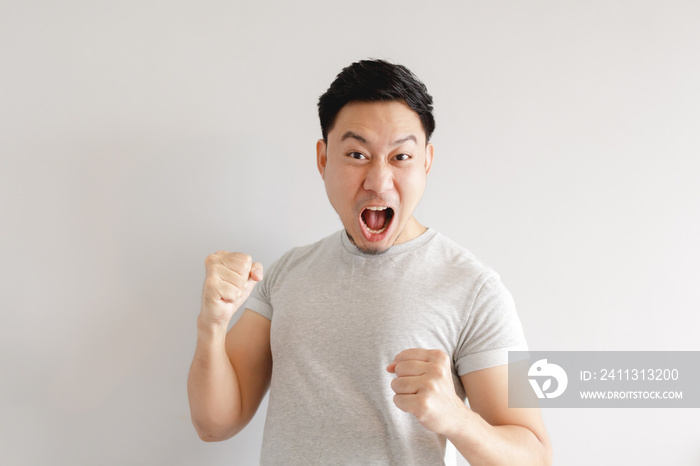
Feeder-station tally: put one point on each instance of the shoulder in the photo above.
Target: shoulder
(307, 253)
(489, 297)
(459, 260)
(291, 270)
(320, 247)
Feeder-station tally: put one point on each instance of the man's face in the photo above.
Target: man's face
(374, 165)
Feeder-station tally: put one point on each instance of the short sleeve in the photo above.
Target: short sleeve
(260, 300)
(492, 329)
(256, 304)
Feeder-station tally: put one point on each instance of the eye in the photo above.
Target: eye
(402, 157)
(357, 155)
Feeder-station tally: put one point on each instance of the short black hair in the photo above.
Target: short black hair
(376, 81)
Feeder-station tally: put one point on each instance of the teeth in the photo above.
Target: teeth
(376, 232)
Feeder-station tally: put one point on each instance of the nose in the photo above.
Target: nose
(379, 177)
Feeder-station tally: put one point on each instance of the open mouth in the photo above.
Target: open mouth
(377, 219)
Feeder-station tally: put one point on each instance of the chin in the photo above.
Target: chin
(372, 249)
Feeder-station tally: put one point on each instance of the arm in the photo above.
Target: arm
(493, 433)
(230, 373)
(489, 433)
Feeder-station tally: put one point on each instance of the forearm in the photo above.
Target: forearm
(212, 387)
(483, 444)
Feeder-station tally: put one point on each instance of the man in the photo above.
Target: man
(371, 338)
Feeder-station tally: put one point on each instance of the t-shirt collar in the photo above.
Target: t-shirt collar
(401, 248)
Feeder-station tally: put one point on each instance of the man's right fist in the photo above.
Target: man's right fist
(231, 277)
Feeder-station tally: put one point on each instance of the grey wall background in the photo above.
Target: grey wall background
(137, 137)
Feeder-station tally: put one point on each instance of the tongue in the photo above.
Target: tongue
(375, 219)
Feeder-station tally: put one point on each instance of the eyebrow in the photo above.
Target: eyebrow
(410, 137)
(351, 135)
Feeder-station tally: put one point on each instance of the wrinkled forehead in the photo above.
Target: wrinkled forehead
(377, 123)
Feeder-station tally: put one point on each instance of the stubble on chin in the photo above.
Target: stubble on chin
(371, 252)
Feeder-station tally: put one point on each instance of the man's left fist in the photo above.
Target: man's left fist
(424, 388)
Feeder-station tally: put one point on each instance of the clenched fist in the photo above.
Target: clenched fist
(230, 279)
(424, 388)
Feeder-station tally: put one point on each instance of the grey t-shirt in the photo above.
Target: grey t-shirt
(338, 318)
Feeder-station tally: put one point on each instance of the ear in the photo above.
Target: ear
(429, 153)
(321, 156)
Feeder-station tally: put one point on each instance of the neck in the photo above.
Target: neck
(412, 230)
